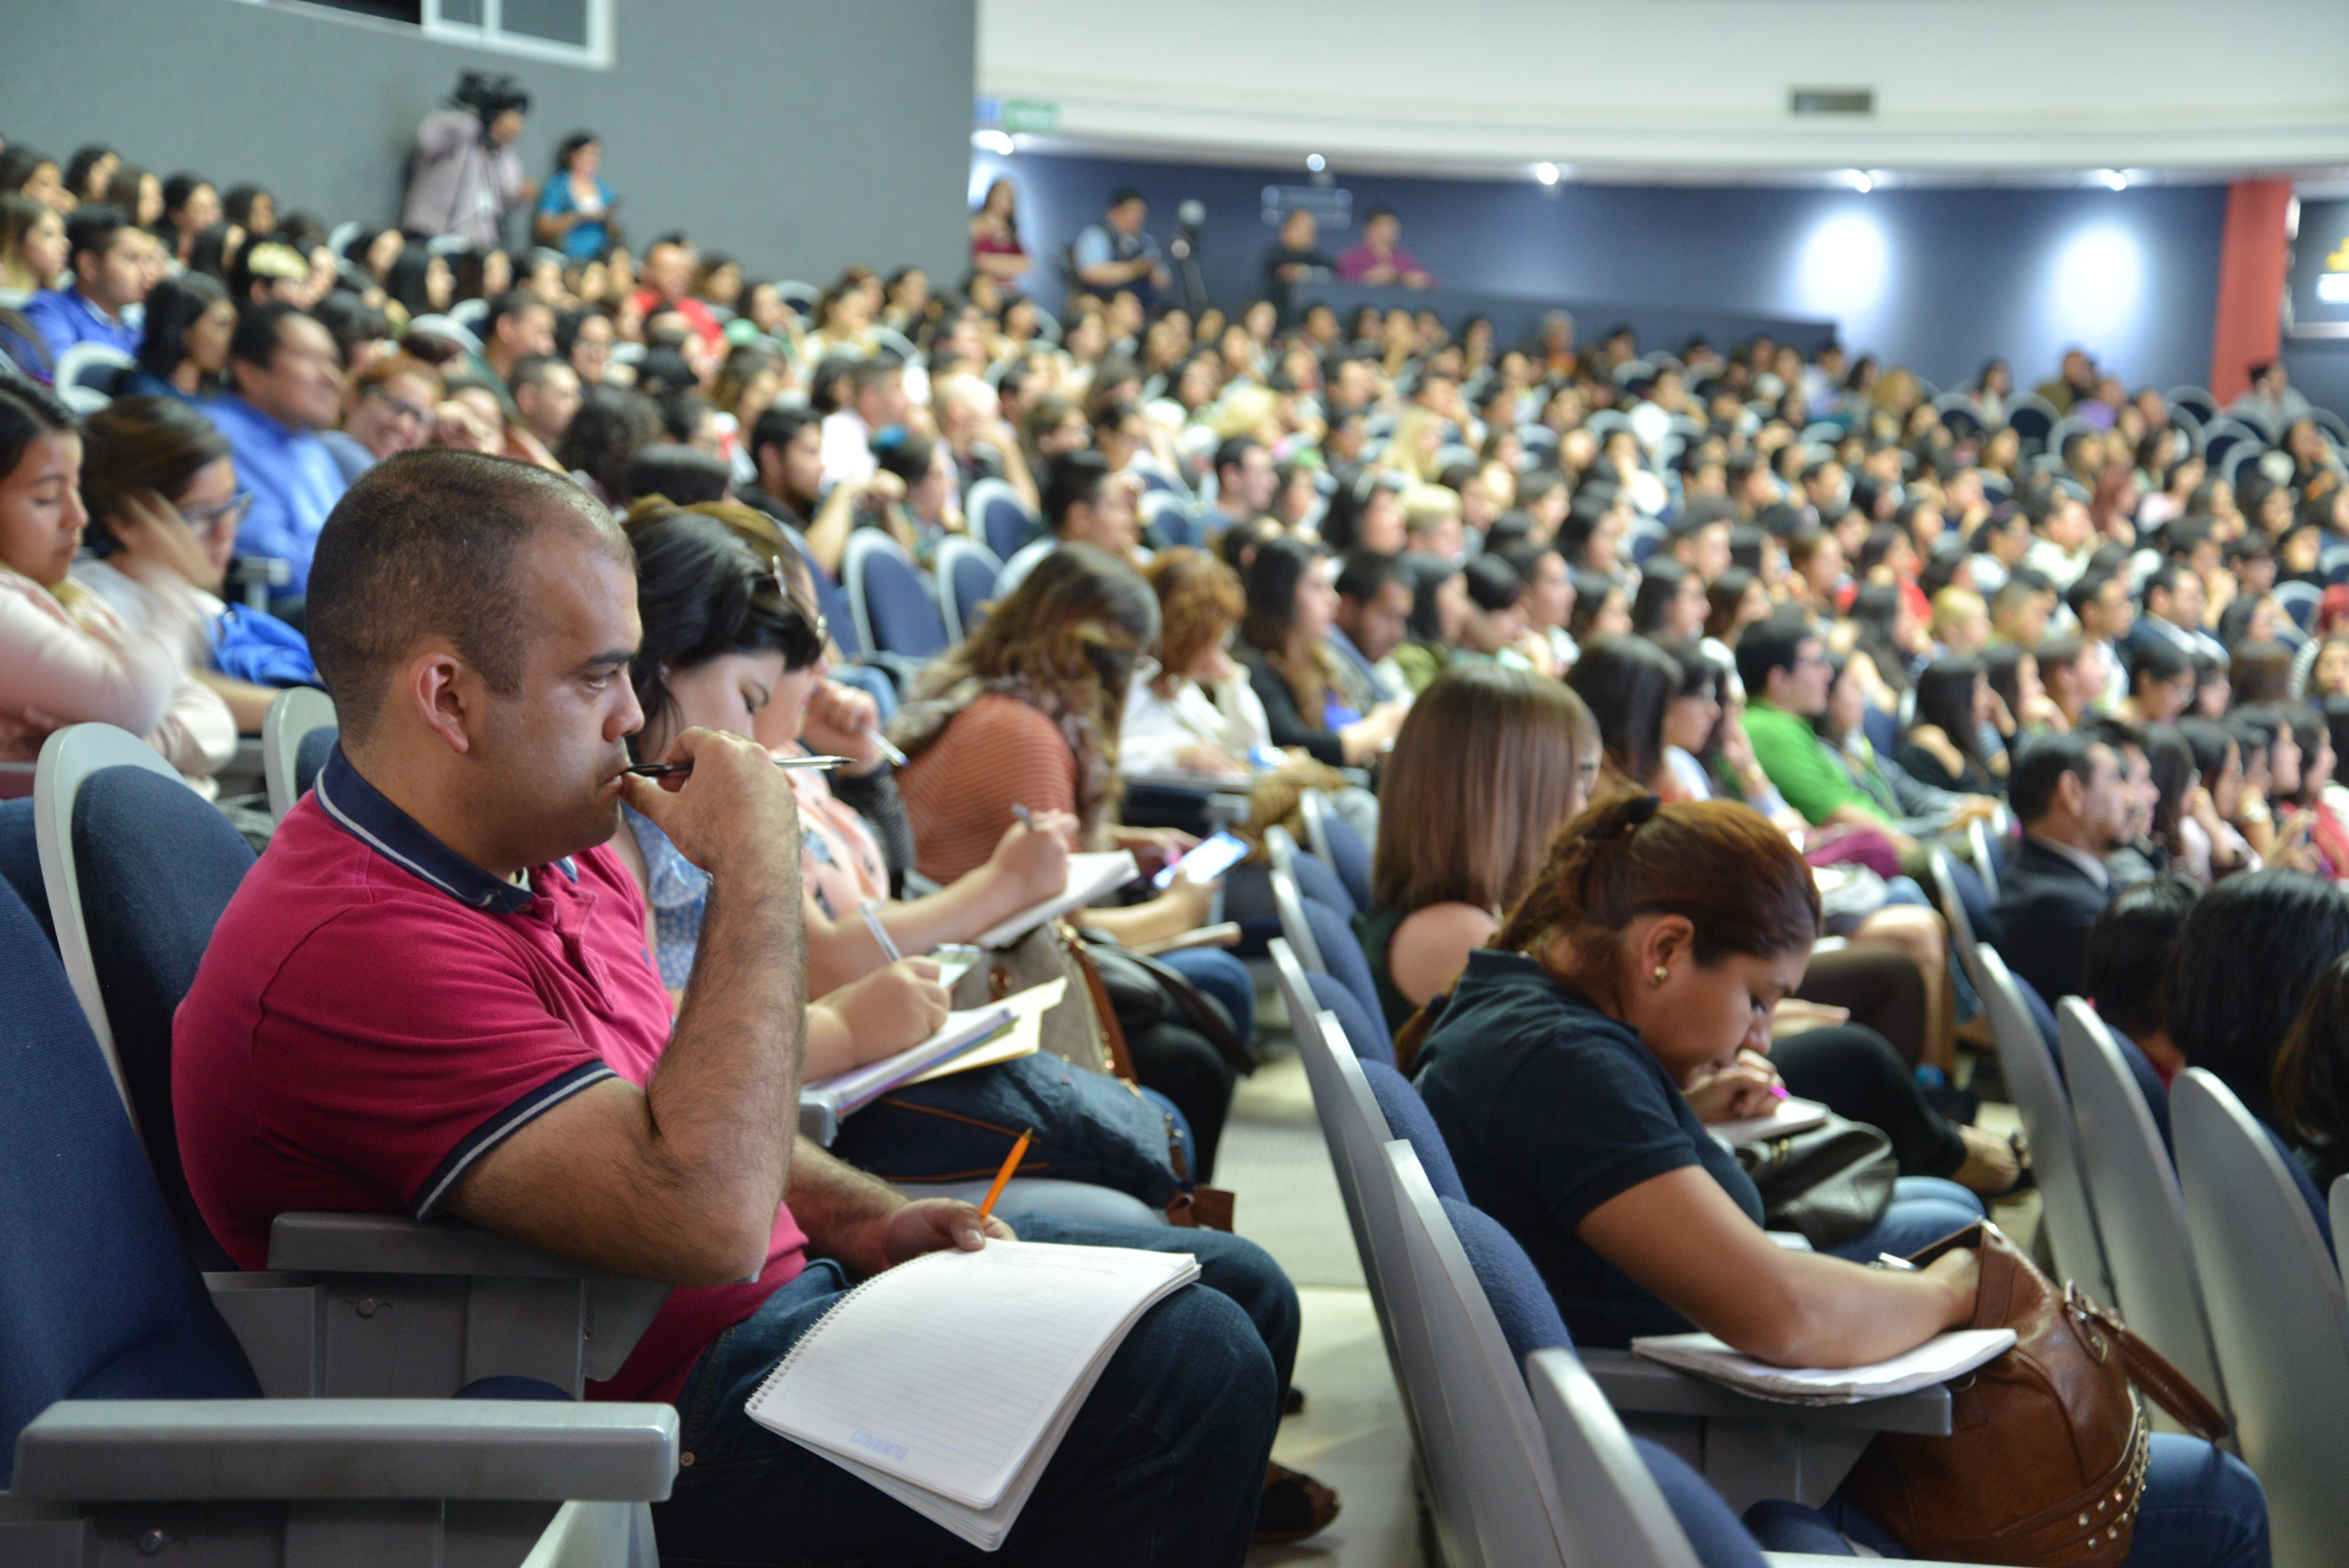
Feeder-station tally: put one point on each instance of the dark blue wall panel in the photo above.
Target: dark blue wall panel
(1938, 280)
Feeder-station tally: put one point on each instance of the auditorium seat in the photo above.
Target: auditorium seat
(127, 1403)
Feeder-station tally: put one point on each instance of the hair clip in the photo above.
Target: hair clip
(1638, 814)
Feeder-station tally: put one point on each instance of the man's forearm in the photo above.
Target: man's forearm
(726, 1093)
(842, 1210)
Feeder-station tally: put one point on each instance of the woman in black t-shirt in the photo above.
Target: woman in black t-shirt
(1630, 982)
(1628, 993)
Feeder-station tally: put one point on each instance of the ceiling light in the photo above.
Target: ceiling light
(1316, 163)
(1859, 180)
(2112, 179)
(996, 141)
(1546, 172)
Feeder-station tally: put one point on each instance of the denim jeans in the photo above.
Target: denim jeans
(2202, 1509)
(1164, 1464)
(1924, 1209)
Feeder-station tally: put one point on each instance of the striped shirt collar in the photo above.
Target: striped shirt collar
(363, 811)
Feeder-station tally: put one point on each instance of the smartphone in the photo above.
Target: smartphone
(1205, 864)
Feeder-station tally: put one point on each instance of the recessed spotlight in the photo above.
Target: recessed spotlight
(1316, 163)
(1546, 172)
(996, 141)
(2112, 179)
(1859, 179)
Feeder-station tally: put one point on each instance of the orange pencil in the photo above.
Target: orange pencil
(1010, 1163)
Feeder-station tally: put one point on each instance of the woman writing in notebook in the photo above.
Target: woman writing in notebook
(1648, 956)
(726, 649)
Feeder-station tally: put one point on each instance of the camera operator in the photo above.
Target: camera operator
(466, 176)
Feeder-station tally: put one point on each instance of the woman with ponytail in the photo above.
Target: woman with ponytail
(1631, 986)
(1626, 997)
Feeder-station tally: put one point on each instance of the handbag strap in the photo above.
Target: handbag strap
(1208, 1018)
(2150, 1370)
(1121, 1061)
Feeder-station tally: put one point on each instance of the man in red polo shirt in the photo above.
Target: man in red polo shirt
(431, 995)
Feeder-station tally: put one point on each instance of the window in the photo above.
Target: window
(572, 31)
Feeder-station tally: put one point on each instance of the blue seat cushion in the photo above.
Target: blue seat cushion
(1360, 1025)
(1349, 857)
(1409, 1118)
(1528, 1317)
(1342, 954)
(97, 1298)
(20, 863)
(151, 914)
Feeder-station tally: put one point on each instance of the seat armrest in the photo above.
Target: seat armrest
(205, 1450)
(819, 1116)
(1636, 1385)
(395, 1244)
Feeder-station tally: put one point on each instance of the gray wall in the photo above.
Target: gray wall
(797, 134)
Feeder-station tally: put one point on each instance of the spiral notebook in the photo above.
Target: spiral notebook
(948, 1382)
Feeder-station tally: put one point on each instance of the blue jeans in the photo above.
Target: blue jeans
(1164, 1464)
(2202, 1509)
(1219, 974)
(1924, 1209)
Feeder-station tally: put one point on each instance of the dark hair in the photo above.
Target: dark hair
(136, 445)
(1627, 682)
(1493, 583)
(678, 474)
(906, 454)
(568, 149)
(2156, 660)
(1364, 574)
(177, 188)
(2039, 763)
(91, 228)
(1075, 477)
(702, 593)
(424, 545)
(1722, 597)
(1427, 573)
(1660, 584)
(1772, 644)
(1232, 452)
(1945, 699)
(19, 163)
(173, 305)
(26, 411)
(2124, 962)
(777, 426)
(85, 156)
(613, 423)
(2251, 951)
(259, 329)
(1718, 864)
(236, 206)
(2171, 764)
(2311, 1088)
(2261, 671)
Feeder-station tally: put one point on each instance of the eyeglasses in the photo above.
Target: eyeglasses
(401, 408)
(221, 519)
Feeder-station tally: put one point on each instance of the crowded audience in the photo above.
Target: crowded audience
(1642, 669)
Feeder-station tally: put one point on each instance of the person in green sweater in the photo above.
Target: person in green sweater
(1786, 674)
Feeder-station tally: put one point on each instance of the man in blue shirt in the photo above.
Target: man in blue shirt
(114, 264)
(289, 387)
(1117, 254)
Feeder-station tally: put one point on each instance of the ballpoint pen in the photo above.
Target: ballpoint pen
(680, 769)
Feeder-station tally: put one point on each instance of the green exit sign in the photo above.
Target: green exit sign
(1031, 114)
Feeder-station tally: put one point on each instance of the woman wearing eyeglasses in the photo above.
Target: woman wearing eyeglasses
(65, 657)
(164, 504)
(388, 408)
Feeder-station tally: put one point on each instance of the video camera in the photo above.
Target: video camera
(489, 94)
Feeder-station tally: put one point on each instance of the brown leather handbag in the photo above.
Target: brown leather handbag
(2045, 1464)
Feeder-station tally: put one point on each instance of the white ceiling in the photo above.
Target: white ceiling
(1967, 92)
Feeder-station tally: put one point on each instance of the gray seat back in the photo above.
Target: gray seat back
(1488, 1478)
(1614, 1509)
(2028, 1061)
(2279, 1320)
(2140, 1217)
